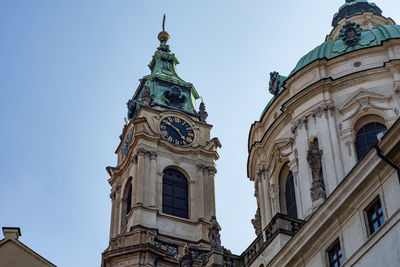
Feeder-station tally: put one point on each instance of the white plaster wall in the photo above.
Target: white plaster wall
(386, 252)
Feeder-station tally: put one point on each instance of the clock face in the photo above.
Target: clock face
(176, 131)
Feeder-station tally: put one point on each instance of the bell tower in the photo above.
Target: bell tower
(162, 189)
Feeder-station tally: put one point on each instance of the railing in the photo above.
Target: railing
(280, 223)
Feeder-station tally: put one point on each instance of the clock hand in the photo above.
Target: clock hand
(176, 129)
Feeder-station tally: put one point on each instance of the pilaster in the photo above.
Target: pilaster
(152, 180)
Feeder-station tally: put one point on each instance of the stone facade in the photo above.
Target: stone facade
(311, 127)
(314, 189)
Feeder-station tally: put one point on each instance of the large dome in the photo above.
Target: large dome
(332, 49)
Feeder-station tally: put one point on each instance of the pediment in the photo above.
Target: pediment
(363, 98)
(280, 149)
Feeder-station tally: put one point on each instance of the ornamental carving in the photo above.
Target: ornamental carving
(397, 87)
(350, 33)
(202, 112)
(186, 260)
(323, 109)
(146, 97)
(213, 234)
(132, 107)
(257, 222)
(315, 113)
(256, 187)
(170, 250)
(261, 170)
(314, 157)
(298, 124)
(348, 145)
(363, 100)
(174, 96)
(274, 83)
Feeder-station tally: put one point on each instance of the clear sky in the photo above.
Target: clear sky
(67, 69)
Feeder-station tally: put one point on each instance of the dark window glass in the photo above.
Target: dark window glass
(375, 216)
(335, 255)
(367, 137)
(129, 200)
(175, 193)
(290, 196)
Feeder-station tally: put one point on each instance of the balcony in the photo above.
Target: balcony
(280, 224)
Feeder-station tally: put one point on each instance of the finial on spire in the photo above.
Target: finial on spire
(163, 36)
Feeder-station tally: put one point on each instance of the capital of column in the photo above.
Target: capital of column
(141, 152)
(201, 167)
(153, 155)
(134, 159)
(212, 170)
(273, 191)
(261, 170)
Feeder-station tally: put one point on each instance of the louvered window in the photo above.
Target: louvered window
(175, 193)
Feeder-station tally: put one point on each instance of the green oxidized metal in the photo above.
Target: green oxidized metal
(331, 49)
(165, 87)
(355, 7)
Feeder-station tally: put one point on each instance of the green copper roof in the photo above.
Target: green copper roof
(331, 49)
(163, 87)
(355, 7)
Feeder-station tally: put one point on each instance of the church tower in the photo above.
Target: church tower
(162, 191)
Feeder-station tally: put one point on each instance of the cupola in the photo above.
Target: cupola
(163, 88)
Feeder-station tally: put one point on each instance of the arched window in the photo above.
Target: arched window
(290, 195)
(126, 202)
(287, 195)
(129, 200)
(367, 137)
(175, 193)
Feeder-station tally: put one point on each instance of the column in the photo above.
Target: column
(117, 213)
(206, 186)
(140, 175)
(274, 195)
(336, 145)
(260, 197)
(153, 171)
(133, 174)
(267, 200)
(199, 198)
(112, 223)
(211, 174)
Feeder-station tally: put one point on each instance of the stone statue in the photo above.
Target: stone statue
(186, 260)
(202, 112)
(274, 83)
(314, 156)
(175, 96)
(146, 96)
(257, 222)
(131, 108)
(213, 234)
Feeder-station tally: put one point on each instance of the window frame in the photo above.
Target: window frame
(358, 126)
(366, 217)
(329, 249)
(163, 194)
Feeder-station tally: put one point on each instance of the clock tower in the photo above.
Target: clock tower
(162, 189)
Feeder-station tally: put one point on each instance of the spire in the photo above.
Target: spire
(163, 36)
(163, 87)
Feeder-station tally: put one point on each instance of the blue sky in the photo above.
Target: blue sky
(67, 70)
